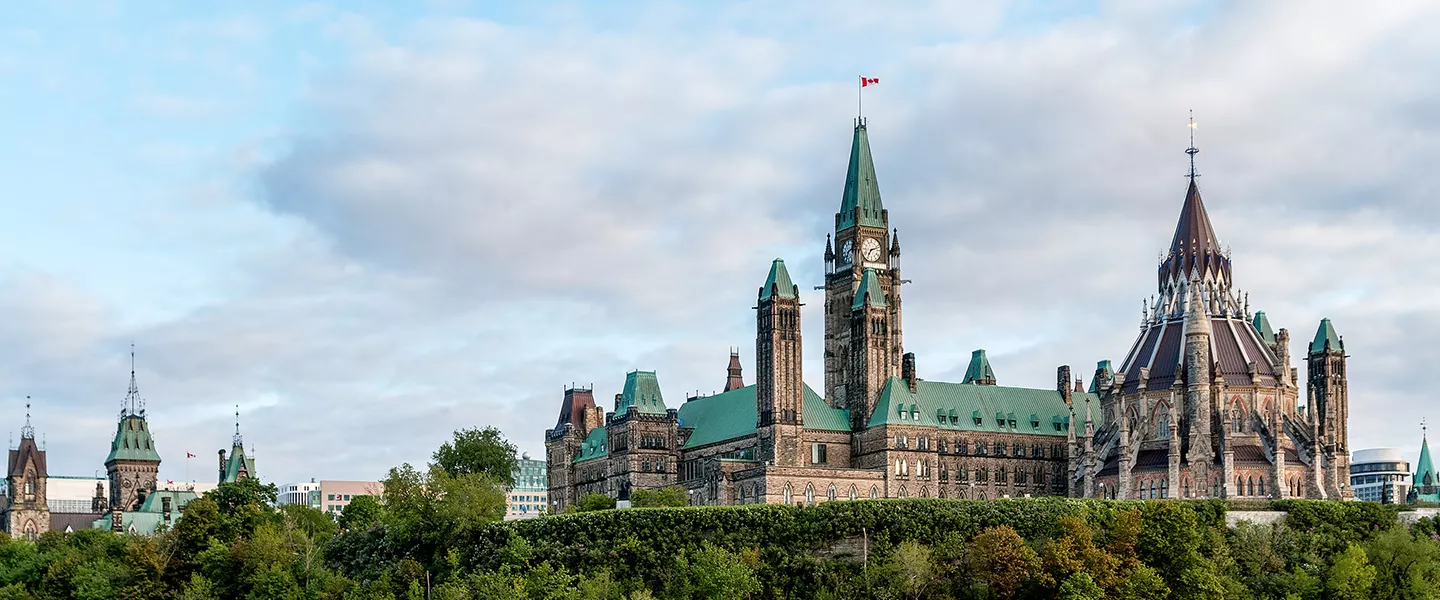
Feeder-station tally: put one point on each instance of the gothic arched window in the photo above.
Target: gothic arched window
(1262, 486)
(1250, 486)
(874, 492)
(1164, 488)
(1239, 485)
(830, 495)
(809, 494)
(789, 495)
(1237, 421)
(853, 493)
(1162, 424)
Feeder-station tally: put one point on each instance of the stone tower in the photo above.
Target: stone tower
(1329, 407)
(779, 387)
(872, 353)
(133, 465)
(26, 512)
(578, 415)
(862, 243)
(238, 465)
(1198, 407)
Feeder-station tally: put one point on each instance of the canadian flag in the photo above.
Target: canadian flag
(189, 455)
(864, 81)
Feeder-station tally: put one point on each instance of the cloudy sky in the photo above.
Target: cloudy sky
(368, 226)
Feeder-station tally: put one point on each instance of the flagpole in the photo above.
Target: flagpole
(860, 100)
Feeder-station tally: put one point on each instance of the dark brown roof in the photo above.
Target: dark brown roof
(1194, 246)
(24, 453)
(1233, 343)
(76, 521)
(570, 408)
(1150, 459)
(1251, 455)
(734, 380)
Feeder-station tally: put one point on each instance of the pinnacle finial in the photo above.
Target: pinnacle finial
(27, 432)
(239, 441)
(1192, 150)
(132, 402)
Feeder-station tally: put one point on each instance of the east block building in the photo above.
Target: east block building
(1205, 403)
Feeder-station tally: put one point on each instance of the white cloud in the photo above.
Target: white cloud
(477, 214)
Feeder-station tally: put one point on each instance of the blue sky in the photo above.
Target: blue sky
(368, 225)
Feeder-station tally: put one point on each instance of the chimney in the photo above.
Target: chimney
(97, 504)
(1062, 382)
(165, 507)
(222, 467)
(117, 520)
(907, 370)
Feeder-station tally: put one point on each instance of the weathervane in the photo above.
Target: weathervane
(1192, 150)
(132, 401)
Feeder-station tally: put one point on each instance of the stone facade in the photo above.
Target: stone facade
(27, 512)
(1205, 404)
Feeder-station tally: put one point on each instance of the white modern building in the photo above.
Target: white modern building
(528, 497)
(307, 494)
(1380, 475)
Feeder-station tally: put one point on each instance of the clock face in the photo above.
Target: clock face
(871, 249)
(847, 252)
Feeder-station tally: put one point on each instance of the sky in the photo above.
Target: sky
(368, 224)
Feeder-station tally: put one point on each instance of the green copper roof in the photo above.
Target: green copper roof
(956, 407)
(1326, 333)
(979, 368)
(1262, 326)
(151, 515)
(778, 283)
(869, 284)
(238, 463)
(732, 415)
(642, 390)
(1425, 468)
(861, 188)
(132, 440)
(593, 447)
(1101, 367)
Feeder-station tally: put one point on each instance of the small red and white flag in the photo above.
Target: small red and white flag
(189, 455)
(865, 81)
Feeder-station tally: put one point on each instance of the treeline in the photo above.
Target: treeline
(437, 535)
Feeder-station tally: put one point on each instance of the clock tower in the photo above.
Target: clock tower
(863, 242)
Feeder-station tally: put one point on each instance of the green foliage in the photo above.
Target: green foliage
(362, 513)
(482, 452)
(592, 502)
(1351, 577)
(672, 496)
(242, 506)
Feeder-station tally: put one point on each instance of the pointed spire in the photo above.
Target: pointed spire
(1424, 468)
(1262, 327)
(1326, 340)
(979, 371)
(27, 432)
(1195, 251)
(869, 291)
(238, 441)
(734, 380)
(829, 250)
(132, 402)
(1196, 320)
(778, 283)
(862, 190)
(895, 242)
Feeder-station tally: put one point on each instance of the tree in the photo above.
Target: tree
(1406, 567)
(1001, 561)
(478, 452)
(362, 513)
(916, 569)
(1351, 576)
(671, 496)
(242, 506)
(313, 521)
(593, 501)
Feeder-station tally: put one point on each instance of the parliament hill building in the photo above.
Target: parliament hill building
(1205, 402)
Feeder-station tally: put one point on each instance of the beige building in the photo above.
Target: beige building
(336, 495)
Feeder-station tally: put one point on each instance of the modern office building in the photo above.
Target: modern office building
(529, 496)
(307, 494)
(336, 495)
(1380, 475)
